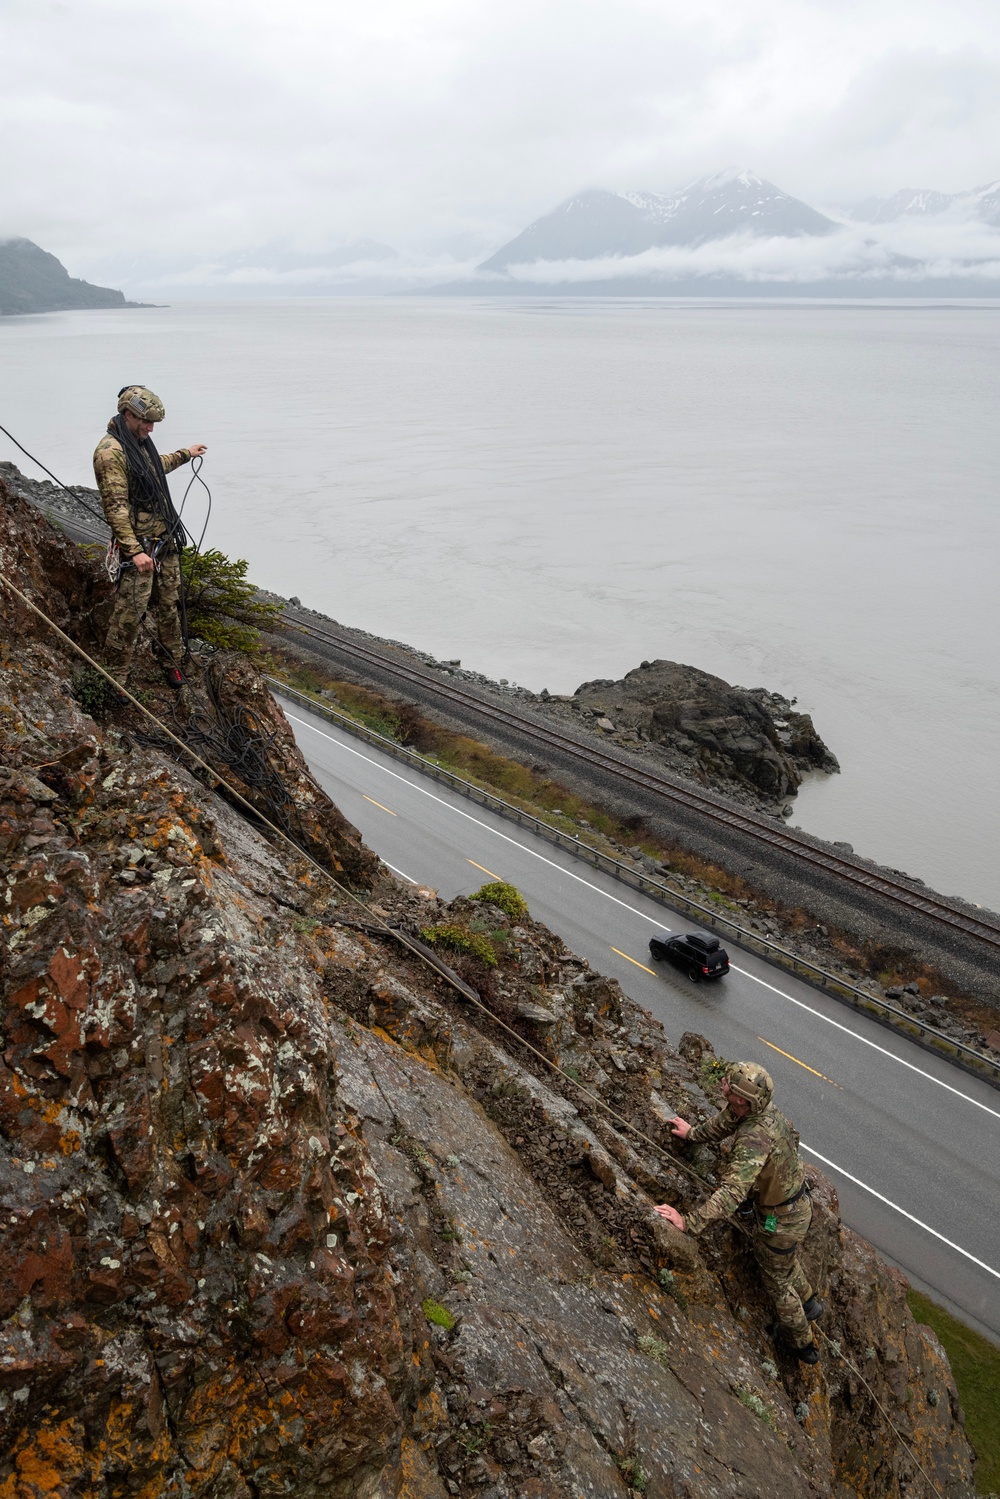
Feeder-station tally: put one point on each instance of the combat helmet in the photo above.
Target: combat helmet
(141, 402)
(751, 1081)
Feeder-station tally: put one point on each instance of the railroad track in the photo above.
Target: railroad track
(774, 837)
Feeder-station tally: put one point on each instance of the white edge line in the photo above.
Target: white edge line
(873, 1044)
(408, 877)
(902, 1211)
(651, 919)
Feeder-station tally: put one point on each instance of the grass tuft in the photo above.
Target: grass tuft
(975, 1365)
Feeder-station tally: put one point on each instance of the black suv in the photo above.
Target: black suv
(698, 953)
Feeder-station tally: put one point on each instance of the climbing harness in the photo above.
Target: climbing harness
(147, 470)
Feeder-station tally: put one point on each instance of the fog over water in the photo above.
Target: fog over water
(801, 497)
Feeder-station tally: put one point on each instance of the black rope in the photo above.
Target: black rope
(97, 514)
(196, 463)
(147, 481)
(232, 736)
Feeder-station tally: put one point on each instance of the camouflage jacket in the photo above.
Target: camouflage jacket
(764, 1160)
(127, 524)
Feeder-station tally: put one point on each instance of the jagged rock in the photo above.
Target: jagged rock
(283, 1215)
(752, 738)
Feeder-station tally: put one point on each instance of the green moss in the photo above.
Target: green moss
(507, 897)
(448, 934)
(975, 1364)
(438, 1314)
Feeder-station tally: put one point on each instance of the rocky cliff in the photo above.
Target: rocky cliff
(32, 280)
(734, 738)
(283, 1214)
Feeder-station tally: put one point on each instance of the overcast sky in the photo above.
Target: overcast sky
(204, 125)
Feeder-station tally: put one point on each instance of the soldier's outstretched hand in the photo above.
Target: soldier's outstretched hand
(671, 1215)
(196, 449)
(680, 1127)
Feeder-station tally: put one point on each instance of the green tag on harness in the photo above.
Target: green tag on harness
(770, 1224)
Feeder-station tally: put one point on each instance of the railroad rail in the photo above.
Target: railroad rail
(772, 836)
(970, 1058)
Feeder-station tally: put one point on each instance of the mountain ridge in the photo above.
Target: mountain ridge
(33, 280)
(981, 203)
(599, 222)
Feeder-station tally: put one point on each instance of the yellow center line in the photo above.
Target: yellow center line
(635, 961)
(483, 868)
(800, 1064)
(379, 804)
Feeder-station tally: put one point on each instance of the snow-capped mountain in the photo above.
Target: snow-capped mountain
(599, 223)
(982, 203)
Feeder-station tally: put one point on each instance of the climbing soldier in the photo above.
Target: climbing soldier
(764, 1167)
(132, 478)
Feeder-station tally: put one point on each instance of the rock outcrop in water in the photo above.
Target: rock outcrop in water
(733, 737)
(283, 1215)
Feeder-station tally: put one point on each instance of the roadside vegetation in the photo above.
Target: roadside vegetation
(547, 799)
(975, 1364)
(528, 789)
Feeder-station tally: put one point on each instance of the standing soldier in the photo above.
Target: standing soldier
(764, 1163)
(132, 478)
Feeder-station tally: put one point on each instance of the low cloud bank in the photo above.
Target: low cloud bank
(907, 251)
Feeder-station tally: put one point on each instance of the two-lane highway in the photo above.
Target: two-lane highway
(912, 1143)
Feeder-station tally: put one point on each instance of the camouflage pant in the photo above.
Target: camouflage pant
(138, 592)
(784, 1279)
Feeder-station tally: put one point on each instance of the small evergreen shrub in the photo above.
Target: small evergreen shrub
(507, 897)
(223, 609)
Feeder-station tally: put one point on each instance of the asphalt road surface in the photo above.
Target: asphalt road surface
(912, 1143)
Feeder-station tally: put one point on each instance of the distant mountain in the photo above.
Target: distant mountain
(32, 280)
(282, 256)
(277, 268)
(981, 203)
(599, 223)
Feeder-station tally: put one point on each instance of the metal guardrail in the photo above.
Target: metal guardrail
(978, 1063)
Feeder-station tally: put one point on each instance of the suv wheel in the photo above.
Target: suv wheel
(694, 974)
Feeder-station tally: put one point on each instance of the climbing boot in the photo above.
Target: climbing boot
(813, 1308)
(809, 1354)
(174, 677)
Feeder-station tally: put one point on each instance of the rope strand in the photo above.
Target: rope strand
(98, 515)
(385, 929)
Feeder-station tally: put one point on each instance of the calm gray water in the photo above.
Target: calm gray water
(796, 496)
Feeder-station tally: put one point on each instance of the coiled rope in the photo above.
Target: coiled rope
(401, 936)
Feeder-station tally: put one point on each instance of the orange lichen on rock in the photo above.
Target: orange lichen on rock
(282, 1216)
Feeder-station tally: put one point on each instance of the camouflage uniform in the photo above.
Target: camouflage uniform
(137, 530)
(765, 1163)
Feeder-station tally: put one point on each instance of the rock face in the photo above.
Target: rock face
(734, 737)
(284, 1215)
